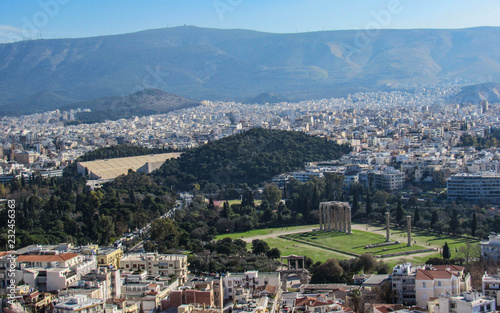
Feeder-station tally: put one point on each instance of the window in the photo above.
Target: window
(424, 284)
(424, 296)
(439, 284)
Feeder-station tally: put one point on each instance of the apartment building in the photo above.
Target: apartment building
(80, 304)
(491, 249)
(468, 302)
(306, 176)
(403, 283)
(480, 186)
(387, 179)
(440, 279)
(491, 286)
(238, 284)
(207, 293)
(156, 264)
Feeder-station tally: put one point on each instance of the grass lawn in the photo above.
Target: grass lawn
(354, 242)
(424, 237)
(288, 247)
(267, 231)
(257, 202)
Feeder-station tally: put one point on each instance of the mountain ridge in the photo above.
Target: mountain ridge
(141, 103)
(235, 64)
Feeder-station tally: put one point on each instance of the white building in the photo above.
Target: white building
(480, 186)
(491, 286)
(403, 283)
(158, 264)
(440, 279)
(491, 249)
(387, 179)
(236, 284)
(304, 177)
(80, 304)
(469, 302)
(54, 271)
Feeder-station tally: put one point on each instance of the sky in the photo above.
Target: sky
(48, 19)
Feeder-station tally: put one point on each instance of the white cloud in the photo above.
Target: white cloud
(9, 33)
(9, 28)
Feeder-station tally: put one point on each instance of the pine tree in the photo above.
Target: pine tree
(446, 251)
(473, 226)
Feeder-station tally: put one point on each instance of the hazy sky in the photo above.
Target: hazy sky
(83, 18)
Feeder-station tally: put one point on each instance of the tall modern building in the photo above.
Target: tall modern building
(387, 179)
(480, 186)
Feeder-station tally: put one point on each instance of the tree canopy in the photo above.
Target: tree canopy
(252, 157)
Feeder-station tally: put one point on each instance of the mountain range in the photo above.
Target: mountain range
(217, 64)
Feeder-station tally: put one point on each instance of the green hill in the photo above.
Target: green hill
(251, 157)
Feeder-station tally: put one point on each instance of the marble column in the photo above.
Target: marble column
(321, 216)
(408, 225)
(349, 231)
(387, 227)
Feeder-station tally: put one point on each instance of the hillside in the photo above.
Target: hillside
(141, 103)
(217, 64)
(251, 157)
(476, 93)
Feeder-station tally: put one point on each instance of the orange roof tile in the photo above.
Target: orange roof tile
(453, 268)
(47, 258)
(433, 274)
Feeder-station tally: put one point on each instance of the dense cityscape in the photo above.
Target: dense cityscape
(233, 156)
(397, 139)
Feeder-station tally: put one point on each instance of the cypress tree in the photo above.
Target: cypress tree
(454, 223)
(211, 204)
(399, 213)
(416, 217)
(446, 251)
(368, 206)
(434, 219)
(473, 226)
(355, 203)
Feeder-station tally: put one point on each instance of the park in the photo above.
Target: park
(321, 245)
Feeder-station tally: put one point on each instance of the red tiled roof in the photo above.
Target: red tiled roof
(311, 301)
(452, 268)
(384, 309)
(267, 288)
(431, 274)
(47, 258)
